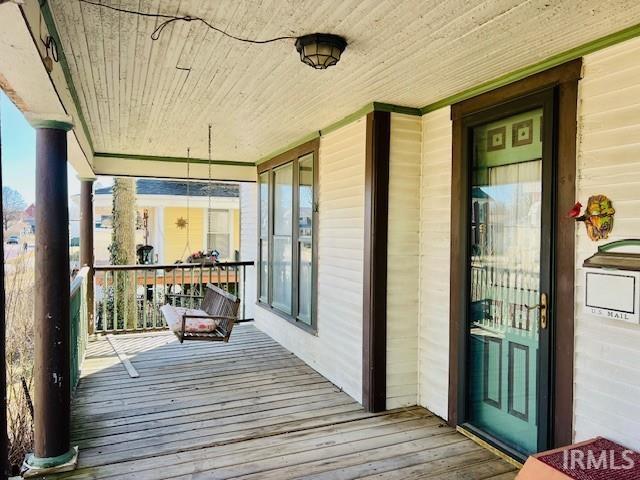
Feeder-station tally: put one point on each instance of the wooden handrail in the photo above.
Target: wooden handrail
(171, 266)
(148, 287)
(78, 322)
(76, 283)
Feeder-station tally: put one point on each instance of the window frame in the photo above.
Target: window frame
(292, 156)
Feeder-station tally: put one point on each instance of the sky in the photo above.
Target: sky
(19, 153)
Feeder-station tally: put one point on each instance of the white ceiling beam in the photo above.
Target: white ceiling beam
(133, 166)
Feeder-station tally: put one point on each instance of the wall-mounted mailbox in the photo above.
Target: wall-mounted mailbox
(612, 282)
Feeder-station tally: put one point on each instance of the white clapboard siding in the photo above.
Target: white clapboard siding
(336, 350)
(248, 241)
(435, 219)
(402, 260)
(607, 352)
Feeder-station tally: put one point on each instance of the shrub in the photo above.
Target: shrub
(19, 291)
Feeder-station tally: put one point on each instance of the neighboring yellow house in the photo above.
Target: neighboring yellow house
(176, 224)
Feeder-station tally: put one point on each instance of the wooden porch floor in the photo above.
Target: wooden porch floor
(248, 409)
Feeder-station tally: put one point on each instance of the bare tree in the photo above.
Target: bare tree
(12, 207)
(123, 248)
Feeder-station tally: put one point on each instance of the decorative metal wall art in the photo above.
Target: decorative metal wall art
(181, 223)
(597, 217)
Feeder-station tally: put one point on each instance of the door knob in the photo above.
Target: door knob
(542, 306)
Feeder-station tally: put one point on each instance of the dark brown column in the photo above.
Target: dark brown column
(86, 242)
(374, 331)
(52, 278)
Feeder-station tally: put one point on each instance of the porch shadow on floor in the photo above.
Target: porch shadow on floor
(248, 409)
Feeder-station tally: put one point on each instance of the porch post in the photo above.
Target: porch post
(376, 217)
(52, 420)
(86, 242)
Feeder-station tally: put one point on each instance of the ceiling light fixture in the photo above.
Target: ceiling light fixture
(320, 50)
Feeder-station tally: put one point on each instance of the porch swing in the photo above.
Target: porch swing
(218, 311)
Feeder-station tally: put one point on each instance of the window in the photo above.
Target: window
(218, 236)
(286, 243)
(263, 247)
(281, 262)
(106, 221)
(305, 237)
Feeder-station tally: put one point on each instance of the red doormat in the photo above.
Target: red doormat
(597, 459)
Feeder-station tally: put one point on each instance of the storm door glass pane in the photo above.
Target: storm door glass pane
(263, 249)
(505, 213)
(282, 238)
(305, 232)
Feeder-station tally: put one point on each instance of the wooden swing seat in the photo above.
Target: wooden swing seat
(217, 305)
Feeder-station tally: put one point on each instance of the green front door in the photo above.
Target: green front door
(508, 271)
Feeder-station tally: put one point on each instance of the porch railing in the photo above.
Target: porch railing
(79, 316)
(128, 297)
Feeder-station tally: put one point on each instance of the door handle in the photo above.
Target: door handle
(543, 310)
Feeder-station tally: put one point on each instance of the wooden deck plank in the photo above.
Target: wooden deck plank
(263, 447)
(196, 374)
(148, 389)
(432, 446)
(122, 356)
(217, 422)
(307, 461)
(227, 434)
(174, 395)
(204, 407)
(148, 425)
(248, 409)
(477, 463)
(174, 409)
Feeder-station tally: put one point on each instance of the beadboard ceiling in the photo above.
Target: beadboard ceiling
(261, 97)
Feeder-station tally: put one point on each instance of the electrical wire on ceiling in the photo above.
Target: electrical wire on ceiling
(169, 19)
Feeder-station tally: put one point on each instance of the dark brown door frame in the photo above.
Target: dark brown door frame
(376, 209)
(564, 80)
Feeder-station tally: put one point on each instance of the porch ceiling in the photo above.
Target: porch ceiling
(261, 97)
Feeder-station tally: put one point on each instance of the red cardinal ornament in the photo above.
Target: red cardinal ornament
(575, 211)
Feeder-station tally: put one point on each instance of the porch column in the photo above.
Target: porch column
(376, 224)
(86, 242)
(52, 281)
